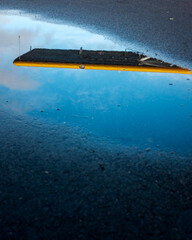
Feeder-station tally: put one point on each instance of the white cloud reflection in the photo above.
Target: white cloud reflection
(38, 34)
(17, 82)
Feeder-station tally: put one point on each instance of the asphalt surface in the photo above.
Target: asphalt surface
(153, 27)
(57, 182)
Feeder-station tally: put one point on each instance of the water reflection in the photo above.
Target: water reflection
(131, 108)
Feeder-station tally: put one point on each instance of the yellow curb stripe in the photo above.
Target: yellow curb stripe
(103, 67)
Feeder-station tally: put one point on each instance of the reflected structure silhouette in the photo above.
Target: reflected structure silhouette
(96, 60)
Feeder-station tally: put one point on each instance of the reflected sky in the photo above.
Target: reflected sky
(144, 109)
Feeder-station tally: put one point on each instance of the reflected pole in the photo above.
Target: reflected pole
(19, 48)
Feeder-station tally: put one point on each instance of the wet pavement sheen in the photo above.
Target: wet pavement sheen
(90, 154)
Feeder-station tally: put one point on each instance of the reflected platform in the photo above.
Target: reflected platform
(96, 60)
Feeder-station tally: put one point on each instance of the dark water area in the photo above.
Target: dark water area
(90, 154)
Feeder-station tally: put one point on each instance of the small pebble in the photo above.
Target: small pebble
(170, 83)
(148, 149)
(171, 19)
(101, 166)
(58, 109)
(41, 111)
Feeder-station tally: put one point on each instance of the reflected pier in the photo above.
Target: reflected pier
(96, 60)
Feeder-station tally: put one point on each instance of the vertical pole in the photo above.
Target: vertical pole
(19, 47)
(81, 51)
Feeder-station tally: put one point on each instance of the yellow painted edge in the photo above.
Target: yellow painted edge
(103, 67)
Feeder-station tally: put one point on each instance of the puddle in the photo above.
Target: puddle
(130, 108)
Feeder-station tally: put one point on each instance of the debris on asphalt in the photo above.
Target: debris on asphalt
(148, 149)
(101, 166)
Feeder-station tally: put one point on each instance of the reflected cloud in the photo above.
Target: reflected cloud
(4, 19)
(17, 81)
(38, 34)
(54, 35)
(9, 41)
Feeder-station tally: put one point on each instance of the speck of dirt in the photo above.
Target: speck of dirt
(101, 166)
(148, 149)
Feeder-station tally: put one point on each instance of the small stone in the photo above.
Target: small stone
(188, 79)
(41, 110)
(171, 19)
(101, 166)
(148, 149)
(82, 67)
(46, 172)
(7, 101)
(170, 83)
(58, 109)
(118, 105)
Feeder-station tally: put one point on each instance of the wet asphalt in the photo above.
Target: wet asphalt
(57, 182)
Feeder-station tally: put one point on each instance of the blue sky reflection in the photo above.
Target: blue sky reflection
(127, 107)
